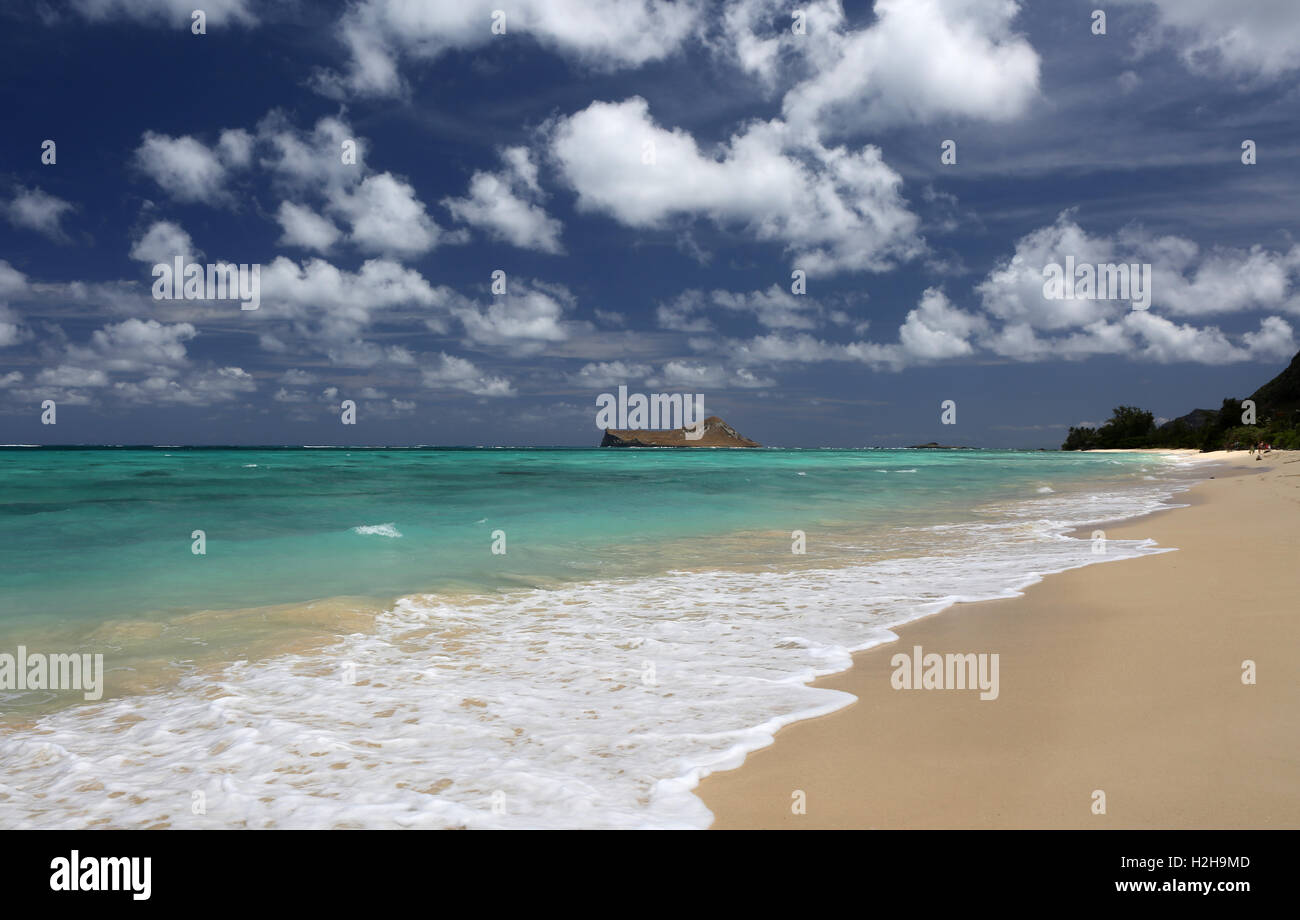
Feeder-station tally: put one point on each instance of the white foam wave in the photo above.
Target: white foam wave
(377, 530)
(598, 704)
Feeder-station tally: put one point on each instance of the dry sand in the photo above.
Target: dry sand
(1124, 677)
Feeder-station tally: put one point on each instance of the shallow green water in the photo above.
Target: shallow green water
(92, 534)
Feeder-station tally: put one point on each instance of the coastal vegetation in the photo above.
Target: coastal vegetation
(1274, 418)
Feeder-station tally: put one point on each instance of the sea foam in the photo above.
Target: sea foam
(598, 704)
(378, 530)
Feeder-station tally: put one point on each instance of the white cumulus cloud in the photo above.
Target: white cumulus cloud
(832, 209)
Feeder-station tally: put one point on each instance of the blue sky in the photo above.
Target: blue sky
(647, 176)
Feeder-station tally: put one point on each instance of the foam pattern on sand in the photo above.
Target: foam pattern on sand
(597, 704)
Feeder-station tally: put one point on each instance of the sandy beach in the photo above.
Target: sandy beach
(1123, 678)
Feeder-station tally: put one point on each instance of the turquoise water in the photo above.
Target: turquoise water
(94, 534)
(350, 652)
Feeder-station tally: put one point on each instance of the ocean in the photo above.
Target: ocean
(344, 637)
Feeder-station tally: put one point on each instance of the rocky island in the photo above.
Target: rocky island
(717, 433)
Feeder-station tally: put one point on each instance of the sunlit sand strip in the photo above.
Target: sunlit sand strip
(1128, 680)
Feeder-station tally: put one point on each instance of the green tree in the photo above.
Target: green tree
(1229, 417)
(1080, 439)
(1128, 426)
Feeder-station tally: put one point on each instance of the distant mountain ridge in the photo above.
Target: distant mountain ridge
(1194, 419)
(1280, 397)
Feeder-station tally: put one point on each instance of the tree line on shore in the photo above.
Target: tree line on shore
(1274, 418)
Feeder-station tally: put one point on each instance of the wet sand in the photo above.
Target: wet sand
(1123, 678)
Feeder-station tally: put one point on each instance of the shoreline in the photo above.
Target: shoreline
(207, 640)
(298, 686)
(1124, 678)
